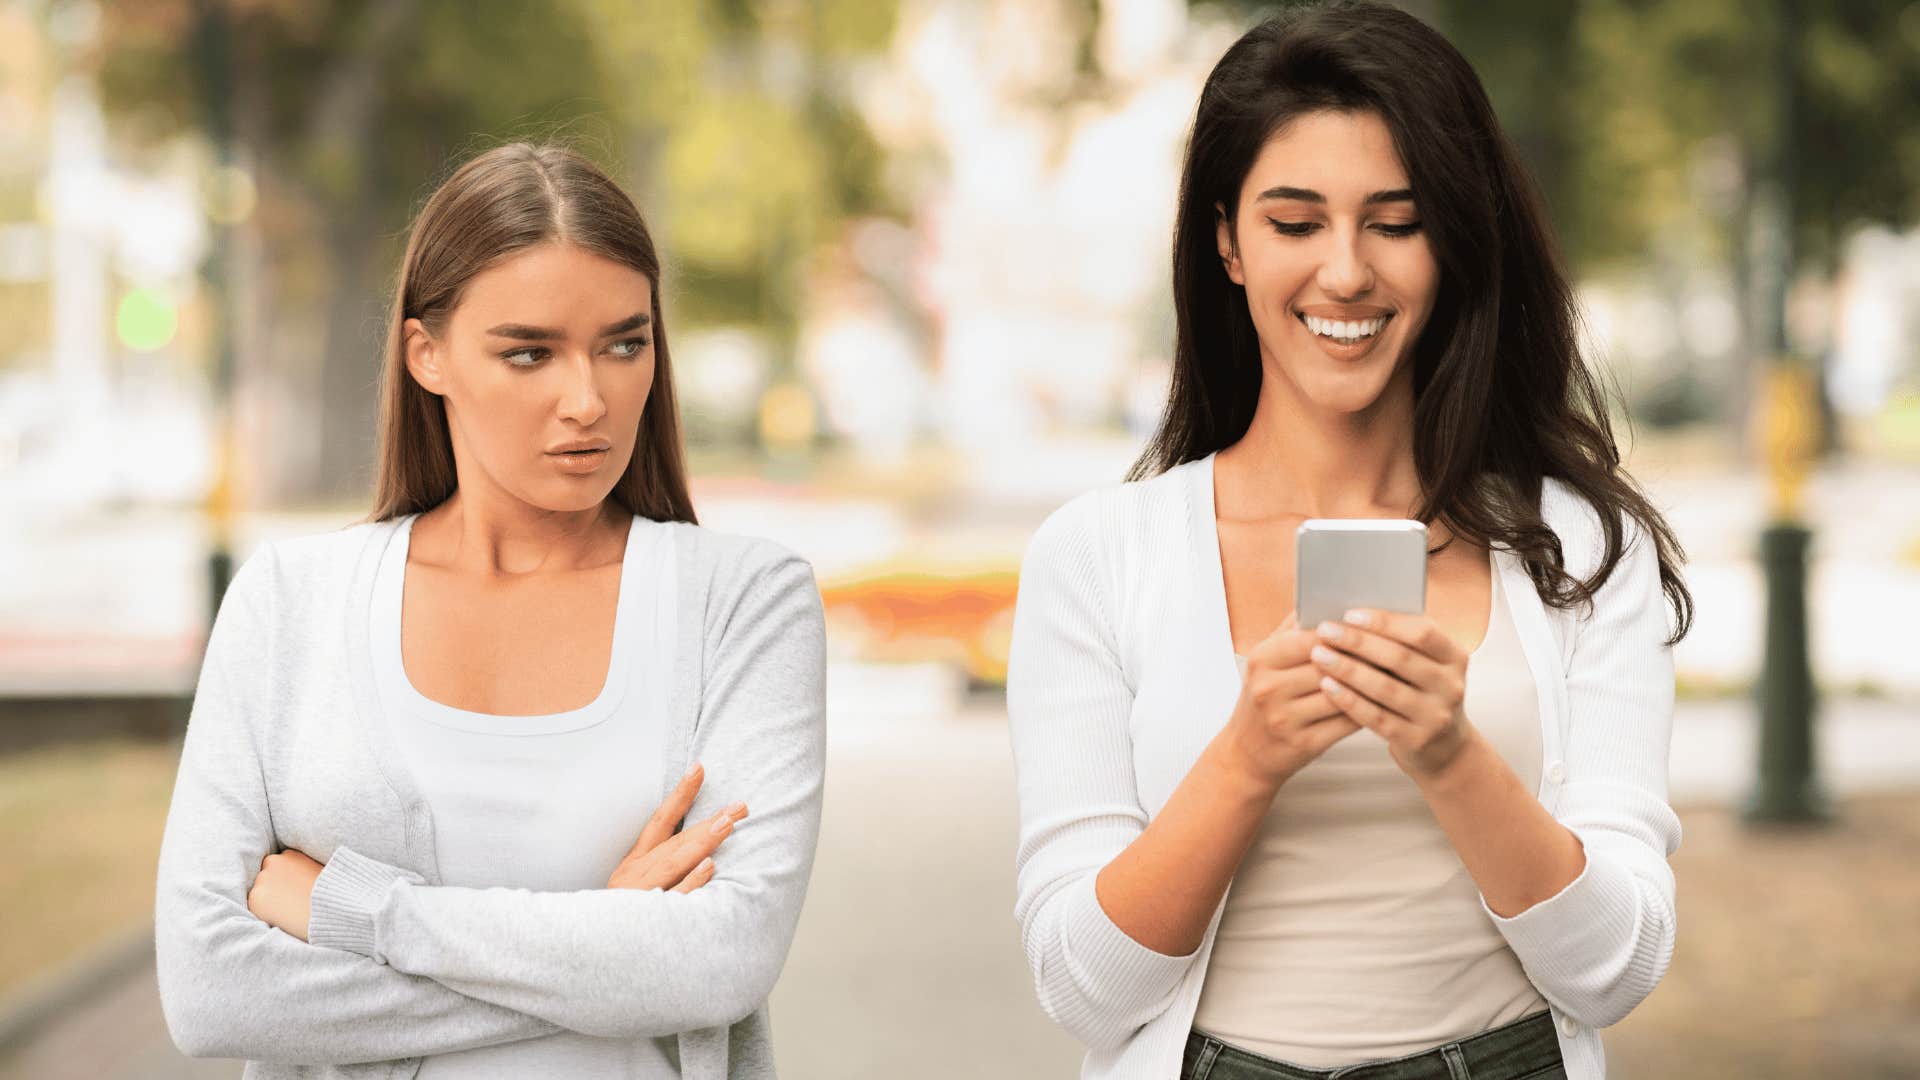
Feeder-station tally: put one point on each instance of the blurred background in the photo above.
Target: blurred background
(917, 276)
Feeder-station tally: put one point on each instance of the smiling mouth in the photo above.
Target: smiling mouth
(1343, 331)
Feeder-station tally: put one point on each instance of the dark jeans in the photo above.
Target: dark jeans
(1523, 1050)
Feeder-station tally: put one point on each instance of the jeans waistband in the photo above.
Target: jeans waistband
(1513, 1051)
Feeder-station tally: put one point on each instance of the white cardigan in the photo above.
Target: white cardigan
(1122, 670)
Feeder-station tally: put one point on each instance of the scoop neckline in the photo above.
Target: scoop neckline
(385, 641)
(1210, 530)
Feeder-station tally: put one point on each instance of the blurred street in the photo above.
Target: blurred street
(908, 937)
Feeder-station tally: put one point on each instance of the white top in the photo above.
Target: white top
(542, 802)
(1121, 671)
(289, 745)
(1353, 931)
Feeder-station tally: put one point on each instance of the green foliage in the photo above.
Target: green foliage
(363, 106)
(1613, 101)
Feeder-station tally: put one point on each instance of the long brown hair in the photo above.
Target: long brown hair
(505, 200)
(1502, 399)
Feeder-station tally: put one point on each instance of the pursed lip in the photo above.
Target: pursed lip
(576, 445)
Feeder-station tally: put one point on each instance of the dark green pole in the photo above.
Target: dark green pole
(1787, 789)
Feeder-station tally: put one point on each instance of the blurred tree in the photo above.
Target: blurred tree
(349, 113)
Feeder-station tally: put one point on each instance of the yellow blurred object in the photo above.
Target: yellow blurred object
(962, 615)
(1789, 430)
(220, 495)
(229, 195)
(786, 417)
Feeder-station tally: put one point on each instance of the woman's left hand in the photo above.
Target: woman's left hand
(1399, 676)
(282, 893)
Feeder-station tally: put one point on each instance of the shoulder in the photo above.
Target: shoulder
(1632, 583)
(1582, 530)
(309, 565)
(1106, 519)
(725, 553)
(733, 567)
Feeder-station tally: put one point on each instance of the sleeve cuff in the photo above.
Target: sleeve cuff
(350, 888)
(1104, 956)
(1593, 917)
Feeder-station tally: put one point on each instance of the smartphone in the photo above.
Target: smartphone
(1345, 563)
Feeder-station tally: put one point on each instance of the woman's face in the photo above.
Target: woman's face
(549, 351)
(1327, 242)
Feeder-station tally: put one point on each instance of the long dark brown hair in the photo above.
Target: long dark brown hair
(1502, 398)
(506, 200)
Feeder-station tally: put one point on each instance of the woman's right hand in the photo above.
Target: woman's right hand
(683, 861)
(1283, 719)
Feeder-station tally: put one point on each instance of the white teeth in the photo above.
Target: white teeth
(1344, 330)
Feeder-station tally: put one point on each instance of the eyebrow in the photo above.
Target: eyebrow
(541, 333)
(1309, 195)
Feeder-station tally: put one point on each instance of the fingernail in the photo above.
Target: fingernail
(1324, 655)
(1331, 631)
(722, 823)
(736, 809)
(1360, 618)
(691, 769)
(1329, 686)
(705, 865)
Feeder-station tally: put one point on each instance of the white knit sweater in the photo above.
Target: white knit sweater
(288, 746)
(1122, 671)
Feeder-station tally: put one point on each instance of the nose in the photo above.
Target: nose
(580, 400)
(1345, 274)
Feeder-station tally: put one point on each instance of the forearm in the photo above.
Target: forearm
(1163, 888)
(606, 962)
(234, 987)
(1515, 851)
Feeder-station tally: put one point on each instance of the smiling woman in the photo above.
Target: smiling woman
(464, 786)
(1399, 846)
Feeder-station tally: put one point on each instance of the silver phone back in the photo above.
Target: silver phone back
(1343, 563)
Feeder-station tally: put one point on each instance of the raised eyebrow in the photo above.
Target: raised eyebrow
(521, 332)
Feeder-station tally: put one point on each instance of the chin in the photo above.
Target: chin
(573, 500)
(1344, 392)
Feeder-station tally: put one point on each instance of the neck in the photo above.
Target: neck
(1300, 460)
(485, 530)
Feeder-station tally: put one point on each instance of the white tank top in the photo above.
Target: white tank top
(1352, 931)
(548, 803)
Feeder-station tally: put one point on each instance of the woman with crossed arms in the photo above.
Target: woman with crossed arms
(1393, 846)
(429, 816)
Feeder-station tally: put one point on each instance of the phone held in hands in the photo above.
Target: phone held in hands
(1346, 563)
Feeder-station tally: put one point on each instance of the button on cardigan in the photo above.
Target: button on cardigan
(286, 747)
(1121, 670)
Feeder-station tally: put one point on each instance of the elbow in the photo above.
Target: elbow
(201, 1028)
(1099, 1034)
(199, 1024)
(718, 994)
(1099, 1027)
(1609, 1005)
(1619, 988)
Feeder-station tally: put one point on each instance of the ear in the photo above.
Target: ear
(1229, 250)
(423, 357)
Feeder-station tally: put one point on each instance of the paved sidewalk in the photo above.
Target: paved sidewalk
(1794, 956)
